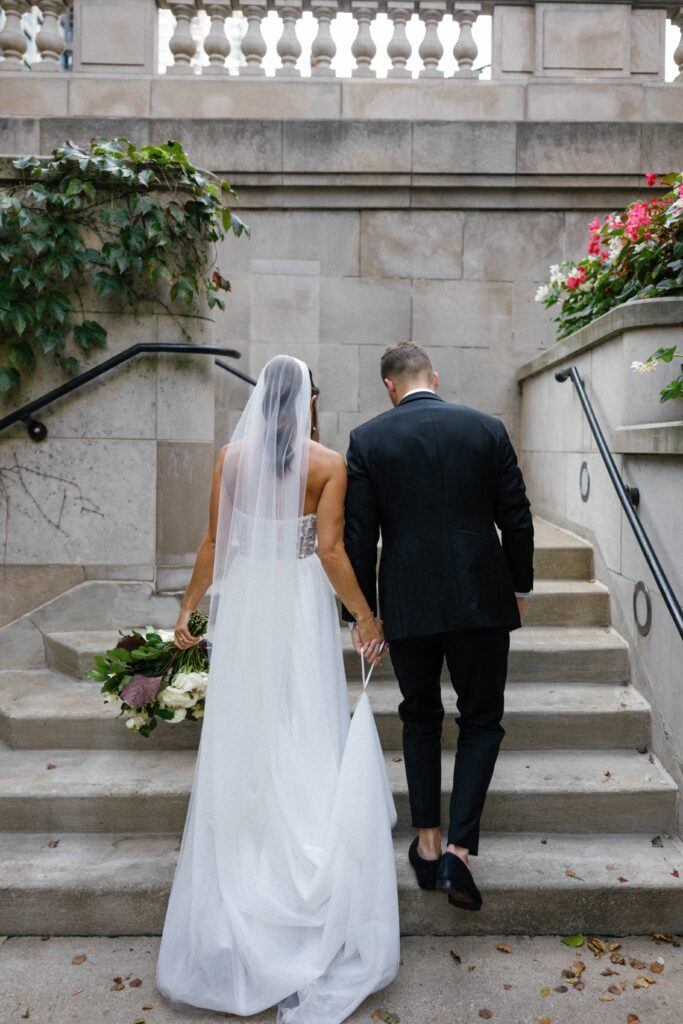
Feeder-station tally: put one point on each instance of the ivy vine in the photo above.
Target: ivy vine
(134, 223)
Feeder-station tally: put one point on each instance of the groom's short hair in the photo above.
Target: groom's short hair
(404, 360)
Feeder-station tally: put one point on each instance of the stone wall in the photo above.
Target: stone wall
(647, 440)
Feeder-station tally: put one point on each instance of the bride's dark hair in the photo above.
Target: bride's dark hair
(282, 380)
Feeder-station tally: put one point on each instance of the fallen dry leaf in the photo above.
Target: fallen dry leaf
(485, 1014)
(386, 1016)
(44, 938)
(139, 1020)
(51, 765)
(644, 982)
(52, 843)
(651, 758)
(632, 1019)
(545, 991)
(503, 948)
(606, 997)
(26, 1014)
(612, 946)
(597, 946)
(659, 937)
(637, 965)
(580, 985)
(148, 1006)
(77, 991)
(118, 985)
(397, 759)
(507, 985)
(578, 967)
(615, 990)
(617, 958)
(561, 988)
(135, 983)
(675, 873)
(471, 967)
(620, 878)
(656, 968)
(608, 970)
(79, 958)
(572, 874)
(456, 957)
(545, 1020)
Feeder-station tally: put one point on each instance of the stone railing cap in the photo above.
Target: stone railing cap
(635, 313)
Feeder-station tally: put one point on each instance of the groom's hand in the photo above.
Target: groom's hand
(521, 606)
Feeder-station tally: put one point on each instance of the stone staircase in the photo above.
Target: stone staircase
(575, 801)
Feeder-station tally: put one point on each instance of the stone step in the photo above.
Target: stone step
(541, 653)
(118, 884)
(549, 790)
(560, 554)
(40, 709)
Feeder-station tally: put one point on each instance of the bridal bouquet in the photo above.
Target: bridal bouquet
(153, 679)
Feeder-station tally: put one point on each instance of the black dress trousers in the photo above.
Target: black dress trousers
(477, 663)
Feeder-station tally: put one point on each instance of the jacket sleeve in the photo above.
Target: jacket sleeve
(513, 517)
(361, 526)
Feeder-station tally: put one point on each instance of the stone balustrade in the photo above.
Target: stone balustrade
(558, 39)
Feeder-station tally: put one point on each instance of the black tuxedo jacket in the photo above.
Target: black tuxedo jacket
(436, 479)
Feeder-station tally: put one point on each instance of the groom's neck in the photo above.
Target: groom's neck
(412, 384)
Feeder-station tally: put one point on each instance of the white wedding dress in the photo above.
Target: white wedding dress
(285, 888)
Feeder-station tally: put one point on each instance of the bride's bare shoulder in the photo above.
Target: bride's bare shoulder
(325, 459)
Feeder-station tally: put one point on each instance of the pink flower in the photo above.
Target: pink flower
(680, 191)
(577, 277)
(638, 217)
(594, 245)
(651, 179)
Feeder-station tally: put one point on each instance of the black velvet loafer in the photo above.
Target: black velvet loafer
(455, 878)
(425, 870)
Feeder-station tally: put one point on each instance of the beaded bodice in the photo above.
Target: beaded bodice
(275, 538)
(307, 534)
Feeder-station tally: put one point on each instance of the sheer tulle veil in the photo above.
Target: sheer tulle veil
(285, 887)
(263, 483)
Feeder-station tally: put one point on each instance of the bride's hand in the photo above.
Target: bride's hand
(371, 637)
(181, 634)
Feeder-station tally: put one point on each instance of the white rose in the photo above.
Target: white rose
(110, 697)
(178, 716)
(135, 721)
(165, 634)
(191, 682)
(172, 697)
(542, 293)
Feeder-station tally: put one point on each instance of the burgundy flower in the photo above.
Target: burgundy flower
(131, 643)
(141, 690)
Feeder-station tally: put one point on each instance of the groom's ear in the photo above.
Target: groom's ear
(390, 386)
(436, 381)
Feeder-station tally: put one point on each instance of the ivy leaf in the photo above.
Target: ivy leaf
(574, 941)
(90, 334)
(69, 365)
(9, 379)
(21, 355)
(18, 320)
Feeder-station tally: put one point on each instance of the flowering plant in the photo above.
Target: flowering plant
(151, 678)
(635, 254)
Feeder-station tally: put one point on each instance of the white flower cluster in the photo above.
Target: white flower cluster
(556, 274)
(185, 690)
(615, 244)
(644, 367)
(542, 293)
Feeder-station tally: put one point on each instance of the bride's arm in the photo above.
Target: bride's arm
(333, 555)
(202, 574)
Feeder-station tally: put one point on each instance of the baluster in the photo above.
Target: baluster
(13, 42)
(324, 47)
(399, 48)
(363, 48)
(288, 45)
(465, 50)
(677, 20)
(431, 49)
(253, 44)
(182, 44)
(49, 40)
(217, 44)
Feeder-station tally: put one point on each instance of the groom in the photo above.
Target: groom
(436, 479)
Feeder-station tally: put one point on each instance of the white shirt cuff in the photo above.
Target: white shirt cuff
(527, 594)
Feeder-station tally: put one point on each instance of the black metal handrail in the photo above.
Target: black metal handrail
(37, 430)
(628, 498)
(237, 373)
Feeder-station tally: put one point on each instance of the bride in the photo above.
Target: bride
(285, 887)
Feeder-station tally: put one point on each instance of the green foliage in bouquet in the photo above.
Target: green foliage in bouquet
(131, 222)
(151, 678)
(635, 254)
